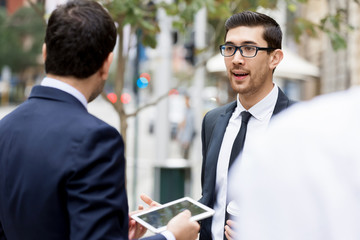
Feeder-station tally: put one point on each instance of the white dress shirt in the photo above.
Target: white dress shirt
(302, 179)
(258, 122)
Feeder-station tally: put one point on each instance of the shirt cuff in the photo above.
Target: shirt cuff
(168, 235)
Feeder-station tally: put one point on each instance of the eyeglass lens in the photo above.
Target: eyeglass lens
(246, 51)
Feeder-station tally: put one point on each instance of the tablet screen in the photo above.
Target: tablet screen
(162, 216)
(156, 220)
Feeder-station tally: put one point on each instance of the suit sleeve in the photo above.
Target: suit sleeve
(207, 127)
(155, 237)
(97, 202)
(2, 234)
(204, 150)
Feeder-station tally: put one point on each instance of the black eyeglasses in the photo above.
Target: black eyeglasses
(248, 51)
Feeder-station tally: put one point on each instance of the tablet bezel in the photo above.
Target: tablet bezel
(208, 213)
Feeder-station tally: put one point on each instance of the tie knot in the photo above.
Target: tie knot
(245, 116)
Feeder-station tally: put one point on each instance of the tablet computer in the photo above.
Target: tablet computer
(157, 218)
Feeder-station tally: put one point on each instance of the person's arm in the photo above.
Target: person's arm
(97, 203)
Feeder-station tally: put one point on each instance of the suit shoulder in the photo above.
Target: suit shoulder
(214, 113)
(86, 125)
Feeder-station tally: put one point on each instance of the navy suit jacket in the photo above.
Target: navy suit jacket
(212, 133)
(62, 172)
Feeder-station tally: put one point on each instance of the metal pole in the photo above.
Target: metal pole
(136, 123)
(163, 78)
(199, 83)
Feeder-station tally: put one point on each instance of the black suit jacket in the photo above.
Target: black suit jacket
(212, 133)
(62, 172)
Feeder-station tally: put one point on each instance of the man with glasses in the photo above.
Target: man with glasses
(251, 51)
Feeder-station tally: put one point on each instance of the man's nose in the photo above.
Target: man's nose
(238, 58)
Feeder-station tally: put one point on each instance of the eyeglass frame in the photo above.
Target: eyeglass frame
(241, 51)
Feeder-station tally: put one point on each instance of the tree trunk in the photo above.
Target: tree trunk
(119, 84)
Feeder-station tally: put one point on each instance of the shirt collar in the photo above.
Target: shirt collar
(262, 108)
(54, 83)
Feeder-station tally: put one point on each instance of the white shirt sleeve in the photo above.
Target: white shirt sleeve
(168, 235)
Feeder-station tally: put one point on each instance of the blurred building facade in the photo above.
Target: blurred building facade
(340, 69)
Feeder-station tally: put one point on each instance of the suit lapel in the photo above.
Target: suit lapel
(282, 103)
(214, 149)
(217, 136)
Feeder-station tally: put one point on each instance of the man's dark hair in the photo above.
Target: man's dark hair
(79, 37)
(272, 30)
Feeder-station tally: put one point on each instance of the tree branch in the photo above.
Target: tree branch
(156, 101)
(39, 11)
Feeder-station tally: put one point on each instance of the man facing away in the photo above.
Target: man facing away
(251, 51)
(62, 169)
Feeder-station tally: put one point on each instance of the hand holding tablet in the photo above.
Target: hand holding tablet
(182, 227)
(158, 217)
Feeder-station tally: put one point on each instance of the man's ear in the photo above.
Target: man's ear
(44, 52)
(275, 58)
(104, 71)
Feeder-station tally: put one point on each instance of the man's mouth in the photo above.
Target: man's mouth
(240, 74)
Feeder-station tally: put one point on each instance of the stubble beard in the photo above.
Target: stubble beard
(97, 91)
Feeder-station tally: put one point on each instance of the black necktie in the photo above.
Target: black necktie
(240, 138)
(238, 146)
